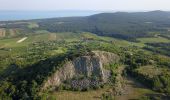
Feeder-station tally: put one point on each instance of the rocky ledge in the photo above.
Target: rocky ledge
(84, 66)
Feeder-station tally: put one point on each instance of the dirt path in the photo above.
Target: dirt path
(21, 40)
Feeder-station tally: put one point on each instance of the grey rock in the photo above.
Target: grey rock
(87, 66)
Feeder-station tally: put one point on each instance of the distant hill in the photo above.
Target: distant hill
(122, 25)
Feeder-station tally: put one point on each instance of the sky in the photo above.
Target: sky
(95, 5)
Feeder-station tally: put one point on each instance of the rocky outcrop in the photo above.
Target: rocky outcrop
(87, 66)
(85, 83)
(106, 57)
(64, 73)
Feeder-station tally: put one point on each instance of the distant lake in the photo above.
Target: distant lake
(25, 15)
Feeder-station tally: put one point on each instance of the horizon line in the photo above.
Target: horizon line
(83, 10)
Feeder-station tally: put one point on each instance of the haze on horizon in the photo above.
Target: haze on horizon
(95, 5)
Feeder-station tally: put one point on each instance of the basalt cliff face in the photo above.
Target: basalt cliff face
(86, 66)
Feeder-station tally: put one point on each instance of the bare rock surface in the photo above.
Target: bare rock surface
(87, 66)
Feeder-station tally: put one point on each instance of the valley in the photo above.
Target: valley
(108, 56)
